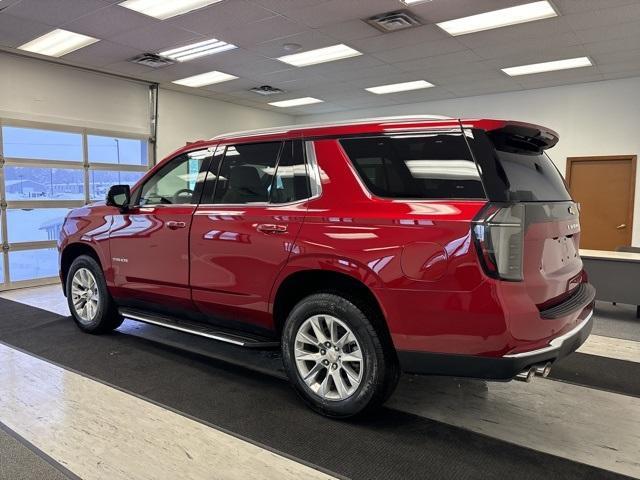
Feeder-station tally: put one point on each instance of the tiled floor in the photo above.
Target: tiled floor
(58, 410)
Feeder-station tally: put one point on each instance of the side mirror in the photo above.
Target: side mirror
(119, 196)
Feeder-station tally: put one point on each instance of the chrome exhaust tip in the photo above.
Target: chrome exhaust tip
(525, 375)
(543, 370)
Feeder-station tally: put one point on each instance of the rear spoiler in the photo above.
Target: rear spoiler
(523, 136)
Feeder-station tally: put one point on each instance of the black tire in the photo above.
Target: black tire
(380, 365)
(106, 317)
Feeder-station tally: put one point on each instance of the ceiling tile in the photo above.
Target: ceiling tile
(605, 16)
(102, 53)
(552, 79)
(525, 58)
(261, 31)
(526, 46)
(598, 34)
(221, 16)
(156, 37)
(109, 22)
(54, 12)
(414, 52)
(617, 45)
(350, 30)
(423, 36)
(576, 6)
(326, 13)
(308, 40)
(16, 31)
(456, 59)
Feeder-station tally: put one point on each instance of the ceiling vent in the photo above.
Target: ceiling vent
(267, 90)
(152, 60)
(394, 21)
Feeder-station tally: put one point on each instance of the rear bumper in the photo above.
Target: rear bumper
(497, 368)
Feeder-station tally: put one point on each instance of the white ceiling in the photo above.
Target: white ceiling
(608, 31)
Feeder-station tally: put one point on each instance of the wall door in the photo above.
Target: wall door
(150, 242)
(605, 188)
(243, 233)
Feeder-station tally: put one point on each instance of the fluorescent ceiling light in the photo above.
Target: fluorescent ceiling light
(548, 66)
(294, 102)
(414, 2)
(499, 18)
(320, 55)
(58, 43)
(197, 50)
(203, 79)
(164, 9)
(399, 87)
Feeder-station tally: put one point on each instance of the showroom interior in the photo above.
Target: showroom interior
(96, 93)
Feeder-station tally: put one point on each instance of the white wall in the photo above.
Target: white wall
(183, 117)
(601, 118)
(39, 91)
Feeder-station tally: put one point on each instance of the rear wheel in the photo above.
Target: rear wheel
(335, 358)
(89, 300)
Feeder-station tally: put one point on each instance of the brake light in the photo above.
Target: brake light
(498, 233)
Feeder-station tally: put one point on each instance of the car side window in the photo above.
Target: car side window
(246, 173)
(291, 181)
(175, 183)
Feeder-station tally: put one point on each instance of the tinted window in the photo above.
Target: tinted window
(424, 166)
(246, 173)
(175, 183)
(291, 182)
(514, 170)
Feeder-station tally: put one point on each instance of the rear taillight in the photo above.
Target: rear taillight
(498, 235)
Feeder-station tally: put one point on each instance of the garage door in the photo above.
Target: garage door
(46, 170)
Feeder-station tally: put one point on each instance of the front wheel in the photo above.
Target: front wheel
(335, 358)
(89, 300)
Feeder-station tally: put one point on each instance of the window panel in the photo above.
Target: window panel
(416, 166)
(32, 264)
(35, 224)
(101, 180)
(33, 183)
(19, 142)
(175, 183)
(291, 182)
(123, 151)
(246, 173)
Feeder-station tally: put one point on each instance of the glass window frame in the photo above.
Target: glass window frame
(83, 165)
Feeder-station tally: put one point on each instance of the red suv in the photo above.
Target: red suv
(425, 245)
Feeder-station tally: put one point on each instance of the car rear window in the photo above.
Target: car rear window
(424, 166)
(515, 170)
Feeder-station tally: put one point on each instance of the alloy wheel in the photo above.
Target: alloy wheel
(84, 295)
(328, 357)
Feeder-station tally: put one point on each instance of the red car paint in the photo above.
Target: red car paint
(418, 258)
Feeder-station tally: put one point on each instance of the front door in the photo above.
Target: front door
(243, 233)
(604, 187)
(150, 242)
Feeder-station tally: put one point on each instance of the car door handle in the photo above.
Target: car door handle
(271, 228)
(175, 225)
(621, 226)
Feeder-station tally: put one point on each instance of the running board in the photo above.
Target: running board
(200, 329)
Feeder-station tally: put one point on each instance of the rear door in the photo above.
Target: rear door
(245, 229)
(516, 170)
(150, 242)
